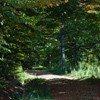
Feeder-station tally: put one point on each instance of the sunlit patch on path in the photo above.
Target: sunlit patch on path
(51, 76)
(48, 76)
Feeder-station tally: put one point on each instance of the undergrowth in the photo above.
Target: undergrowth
(3, 83)
(86, 70)
(36, 89)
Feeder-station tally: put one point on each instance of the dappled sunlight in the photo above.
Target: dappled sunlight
(51, 76)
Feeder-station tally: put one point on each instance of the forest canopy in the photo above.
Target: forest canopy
(31, 33)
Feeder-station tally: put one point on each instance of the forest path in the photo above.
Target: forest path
(61, 87)
(43, 74)
(65, 87)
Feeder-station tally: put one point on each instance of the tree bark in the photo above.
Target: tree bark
(62, 49)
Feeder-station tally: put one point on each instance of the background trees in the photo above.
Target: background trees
(30, 33)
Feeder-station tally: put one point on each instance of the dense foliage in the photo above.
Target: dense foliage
(30, 33)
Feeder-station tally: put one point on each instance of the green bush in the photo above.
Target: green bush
(3, 83)
(87, 70)
(36, 89)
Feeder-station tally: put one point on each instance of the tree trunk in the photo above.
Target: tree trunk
(62, 49)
